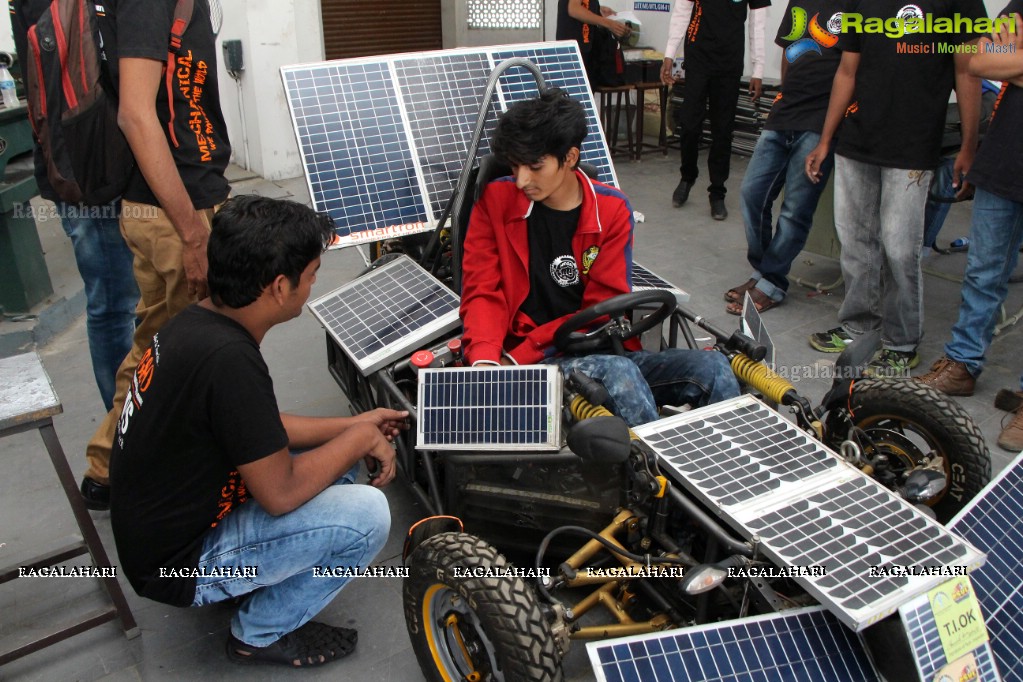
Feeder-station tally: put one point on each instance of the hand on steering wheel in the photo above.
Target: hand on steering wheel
(618, 329)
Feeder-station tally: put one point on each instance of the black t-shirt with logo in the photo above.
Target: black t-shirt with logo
(573, 29)
(201, 404)
(555, 288)
(200, 146)
(897, 115)
(998, 167)
(715, 41)
(809, 36)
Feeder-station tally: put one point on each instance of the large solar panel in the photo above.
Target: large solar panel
(644, 279)
(928, 652)
(767, 478)
(386, 313)
(808, 645)
(490, 408)
(383, 139)
(993, 521)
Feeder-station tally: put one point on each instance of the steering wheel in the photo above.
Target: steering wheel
(618, 329)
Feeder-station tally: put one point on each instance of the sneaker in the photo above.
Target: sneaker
(1011, 437)
(681, 193)
(949, 376)
(717, 209)
(891, 363)
(832, 341)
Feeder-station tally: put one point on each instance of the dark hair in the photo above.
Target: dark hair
(550, 124)
(254, 239)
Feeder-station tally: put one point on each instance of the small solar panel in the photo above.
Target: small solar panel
(643, 280)
(808, 508)
(386, 313)
(753, 326)
(383, 139)
(924, 638)
(808, 645)
(993, 521)
(490, 408)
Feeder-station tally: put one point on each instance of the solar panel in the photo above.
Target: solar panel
(383, 139)
(928, 652)
(386, 313)
(804, 644)
(490, 408)
(808, 508)
(993, 521)
(753, 326)
(643, 280)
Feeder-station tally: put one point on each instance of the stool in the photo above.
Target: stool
(28, 401)
(610, 117)
(662, 138)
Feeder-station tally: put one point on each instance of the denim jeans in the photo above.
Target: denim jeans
(722, 94)
(111, 294)
(778, 162)
(342, 527)
(640, 381)
(996, 233)
(879, 218)
(936, 211)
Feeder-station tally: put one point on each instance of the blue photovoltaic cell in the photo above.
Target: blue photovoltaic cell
(808, 645)
(643, 279)
(384, 138)
(993, 522)
(926, 642)
(509, 407)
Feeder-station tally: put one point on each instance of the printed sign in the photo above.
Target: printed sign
(652, 6)
(958, 617)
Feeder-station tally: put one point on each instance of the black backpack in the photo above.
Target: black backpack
(72, 99)
(605, 63)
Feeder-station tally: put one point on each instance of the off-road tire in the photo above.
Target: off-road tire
(506, 607)
(968, 460)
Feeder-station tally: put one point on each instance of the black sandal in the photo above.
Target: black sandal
(311, 645)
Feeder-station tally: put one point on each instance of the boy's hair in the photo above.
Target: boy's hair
(550, 124)
(254, 239)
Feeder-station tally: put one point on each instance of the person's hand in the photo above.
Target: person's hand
(813, 162)
(380, 463)
(963, 162)
(666, 76)
(389, 422)
(193, 256)
(619, 29)
(756, 88)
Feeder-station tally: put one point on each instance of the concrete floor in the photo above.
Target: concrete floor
(684, 245)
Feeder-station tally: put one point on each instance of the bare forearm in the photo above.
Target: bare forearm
(311, 432)
(997, 66)
(841, 95)
(968, 98)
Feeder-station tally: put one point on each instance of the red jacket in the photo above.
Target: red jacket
(495, 268)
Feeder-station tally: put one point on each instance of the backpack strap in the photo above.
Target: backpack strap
(182, 18)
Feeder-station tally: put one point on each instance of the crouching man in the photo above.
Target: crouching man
(208, 502)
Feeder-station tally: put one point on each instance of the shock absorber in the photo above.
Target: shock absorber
(762, 378)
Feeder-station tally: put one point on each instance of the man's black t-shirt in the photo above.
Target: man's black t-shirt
(809, 35)
(555, 288)
(573, 29)
(201, 404)
(715, 41)
(897, 115)
(998, 167)
(199, 144)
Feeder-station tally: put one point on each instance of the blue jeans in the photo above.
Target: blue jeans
(111, 294)
(778, 162)
(640, 381)
(344, 526)
(936, 211)
(996, 232)
(879, 219)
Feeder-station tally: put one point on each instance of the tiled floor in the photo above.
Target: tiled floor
(684, 245)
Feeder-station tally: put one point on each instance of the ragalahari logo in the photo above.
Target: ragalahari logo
(820, 36)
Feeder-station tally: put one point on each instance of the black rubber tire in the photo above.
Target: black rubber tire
(506, 608)
(938, 418)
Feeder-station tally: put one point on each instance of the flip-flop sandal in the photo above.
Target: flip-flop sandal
(311, 645)
(761, 300)
(736, 293)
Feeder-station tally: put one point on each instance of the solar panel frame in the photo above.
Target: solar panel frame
(789, 518)
(484, 408)
(379, 317)
(993, 520)
(384, 138)
(801, 644)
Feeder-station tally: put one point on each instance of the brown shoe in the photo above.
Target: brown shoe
(949, 376)
(1011, 437)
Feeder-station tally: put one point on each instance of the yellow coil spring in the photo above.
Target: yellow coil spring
(582, 408)
(761, 378)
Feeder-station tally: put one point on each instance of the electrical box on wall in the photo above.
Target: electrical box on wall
(233, 61)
